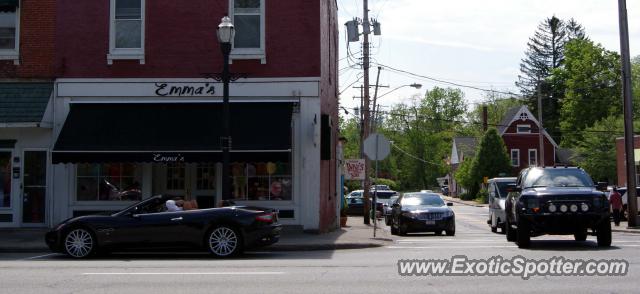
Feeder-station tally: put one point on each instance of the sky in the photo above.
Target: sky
(470, 42)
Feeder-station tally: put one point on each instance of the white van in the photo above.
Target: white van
(497, 188)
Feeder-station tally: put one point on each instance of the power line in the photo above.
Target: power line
(413, 156)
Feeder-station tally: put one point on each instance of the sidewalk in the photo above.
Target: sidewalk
(356, 235)
(464, 202)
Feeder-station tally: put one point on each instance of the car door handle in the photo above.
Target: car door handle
(176, 219)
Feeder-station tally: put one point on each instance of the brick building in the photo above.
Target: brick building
(137, 110)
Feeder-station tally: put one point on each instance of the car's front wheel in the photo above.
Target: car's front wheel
(80, 243)
(604, 234)
(523, 235)
(510, 232)
(224, 241)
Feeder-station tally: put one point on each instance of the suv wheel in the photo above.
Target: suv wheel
(510, 232)
(523, 236)
(604, 233)
(580, 235)
(394, 230)
(494, 223)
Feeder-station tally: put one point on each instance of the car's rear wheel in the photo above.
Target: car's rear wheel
(523, 236)
(604, 234)
(493, 223)
(510, 232)
(387, 220)
(224, 241)
(438, 233)
(79, 243)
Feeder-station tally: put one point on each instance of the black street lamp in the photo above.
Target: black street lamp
(225, 33)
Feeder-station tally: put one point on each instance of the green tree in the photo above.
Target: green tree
(545, 53)
(591, 76)
(465, 178)
(491, 158)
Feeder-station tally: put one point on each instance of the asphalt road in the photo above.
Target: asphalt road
(344, 271)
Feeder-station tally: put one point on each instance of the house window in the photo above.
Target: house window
(524, 129)
(9, 32)
(515, 157)
(248, 19)
(108, 182)
(126, 36)
(533, 157)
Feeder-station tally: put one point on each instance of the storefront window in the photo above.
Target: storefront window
(206, 177)
(175, 176)
(108, 182)
(5, 179)
(261, 181)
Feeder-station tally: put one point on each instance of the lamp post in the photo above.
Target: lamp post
(225, 33)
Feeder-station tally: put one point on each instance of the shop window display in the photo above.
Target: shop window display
(261, 181)
(108, 182)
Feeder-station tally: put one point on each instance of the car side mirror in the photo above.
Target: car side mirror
(602, 186)
(396, 205)
(513, 188)
(449, 204)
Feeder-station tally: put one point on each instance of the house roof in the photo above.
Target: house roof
(508, 117)
(514, 114)
(24, 102)
(466, 145)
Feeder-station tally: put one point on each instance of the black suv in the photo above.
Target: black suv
(557, 201)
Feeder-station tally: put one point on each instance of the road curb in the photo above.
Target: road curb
(625, 231)
(463, 203)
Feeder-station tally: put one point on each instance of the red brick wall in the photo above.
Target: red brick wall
(524, 142)
(329, 105)
(621, 160)
(181, 40)
(37, 45)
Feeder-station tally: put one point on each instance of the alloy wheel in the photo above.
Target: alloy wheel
(223, 241)
(78, 243)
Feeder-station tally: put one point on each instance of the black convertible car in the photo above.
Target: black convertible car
(224, 232)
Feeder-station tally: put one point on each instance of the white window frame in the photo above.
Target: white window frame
(13, 54)
(128, 53)
(523, 126)
(517, 151)
(250, 53)
(535, 157)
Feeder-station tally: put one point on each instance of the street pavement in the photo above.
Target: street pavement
(370, 270)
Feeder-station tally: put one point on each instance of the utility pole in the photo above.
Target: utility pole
(540, 128)
(628, 114)
(375, 102)
(366, 113)
(485, 118)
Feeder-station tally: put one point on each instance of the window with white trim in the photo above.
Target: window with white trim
(524, 129)
(10, 32)
(248, 19)
(515, 157)
(126, 30)
(533, 157)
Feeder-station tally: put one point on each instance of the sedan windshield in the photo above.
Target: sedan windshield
(558, 177)
(422, 199)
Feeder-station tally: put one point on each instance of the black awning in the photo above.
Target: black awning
(9, 5)
(187, 132)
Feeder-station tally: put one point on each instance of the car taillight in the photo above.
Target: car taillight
(266, 218)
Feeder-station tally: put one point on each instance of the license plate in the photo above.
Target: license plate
(430, 222)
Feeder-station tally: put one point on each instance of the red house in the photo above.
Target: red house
(520, 131)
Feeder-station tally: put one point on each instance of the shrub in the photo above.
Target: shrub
(483, 196)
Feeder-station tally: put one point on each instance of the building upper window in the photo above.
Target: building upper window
(515, 157)
(9, 31)
(126, 36)
(533, 157)
(248, 20)
(524, 129)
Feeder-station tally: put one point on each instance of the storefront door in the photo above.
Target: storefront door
(6, 213)
(192, 181)
(34, 181)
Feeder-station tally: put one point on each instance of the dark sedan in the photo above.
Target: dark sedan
(355, 206)
(224, 232)
(422, 212)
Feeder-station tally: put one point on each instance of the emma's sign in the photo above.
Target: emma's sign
(159, 157)
(185, 89)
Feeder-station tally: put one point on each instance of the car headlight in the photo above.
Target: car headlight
(448, 213)
(563, 208)
(552, 207)
(584, 207)
(573, 208)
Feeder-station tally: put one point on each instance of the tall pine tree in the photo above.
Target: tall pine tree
(545, 53)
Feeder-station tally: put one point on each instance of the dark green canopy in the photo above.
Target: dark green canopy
(8, 5)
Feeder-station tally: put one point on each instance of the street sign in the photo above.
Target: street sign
(377, 146)
(354, 169)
